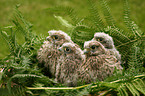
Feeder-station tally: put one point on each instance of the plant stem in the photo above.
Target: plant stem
(72, 88)
(58, 88)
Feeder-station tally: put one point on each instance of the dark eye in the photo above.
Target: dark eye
(55, 37)
(67, 49)
(93, 47)
(101, 39)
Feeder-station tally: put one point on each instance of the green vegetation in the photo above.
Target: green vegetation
(20, 69)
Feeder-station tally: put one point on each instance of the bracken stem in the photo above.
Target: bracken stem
(79, 87)
(58, 88)
(131, 41)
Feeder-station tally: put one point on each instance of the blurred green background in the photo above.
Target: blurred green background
(43, 20)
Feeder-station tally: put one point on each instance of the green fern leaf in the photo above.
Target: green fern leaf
(139, 85)
(95, 17)
(6, 37)
(27, 24)
(24, 28)
(106, 11)
(68, 11)
(84, 91)
(117, 33)
(132, 27)
(19, 76)
(11, 41)
(20, 28)
(64, 22)
(134, 59)
(132, 89)
(136, 29)
(122, 90)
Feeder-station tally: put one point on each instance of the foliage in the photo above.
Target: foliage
(20, 69)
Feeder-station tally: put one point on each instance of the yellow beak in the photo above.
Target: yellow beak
(48, 38)
(86, 51)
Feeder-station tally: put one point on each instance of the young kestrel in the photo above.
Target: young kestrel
(99, 63)
(68, 65)
(108, 43)
(48, 53)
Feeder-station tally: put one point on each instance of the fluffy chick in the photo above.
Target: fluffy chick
(99, 63)
(48, 53)
(108, 43)
(71, 59)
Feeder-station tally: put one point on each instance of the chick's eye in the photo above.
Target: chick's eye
(93, 47)
(101, 39)
(55, 37)
(67, 49)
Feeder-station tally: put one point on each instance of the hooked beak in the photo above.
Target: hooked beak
(48, 38)
(96, 39)
(86, 51)
(93, 39)
(59, 49)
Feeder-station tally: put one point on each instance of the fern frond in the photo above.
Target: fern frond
(127, 15)
(67, 11)
(7, 39)
(122, 91)
(107, 14)
(27, 24)
(117, 33)
(134, 59)
(132, 89)
(19, 92)
(18, 76)
(64, 22)
(132, 27)
(136, 29)
(82, 33)
(25, 27)
(20, 28)
(123, 41)
(16, 91)
(139, 85)
(25, 76)
(85, 91)
(123, 87)
(95, 17)
(11, 41)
